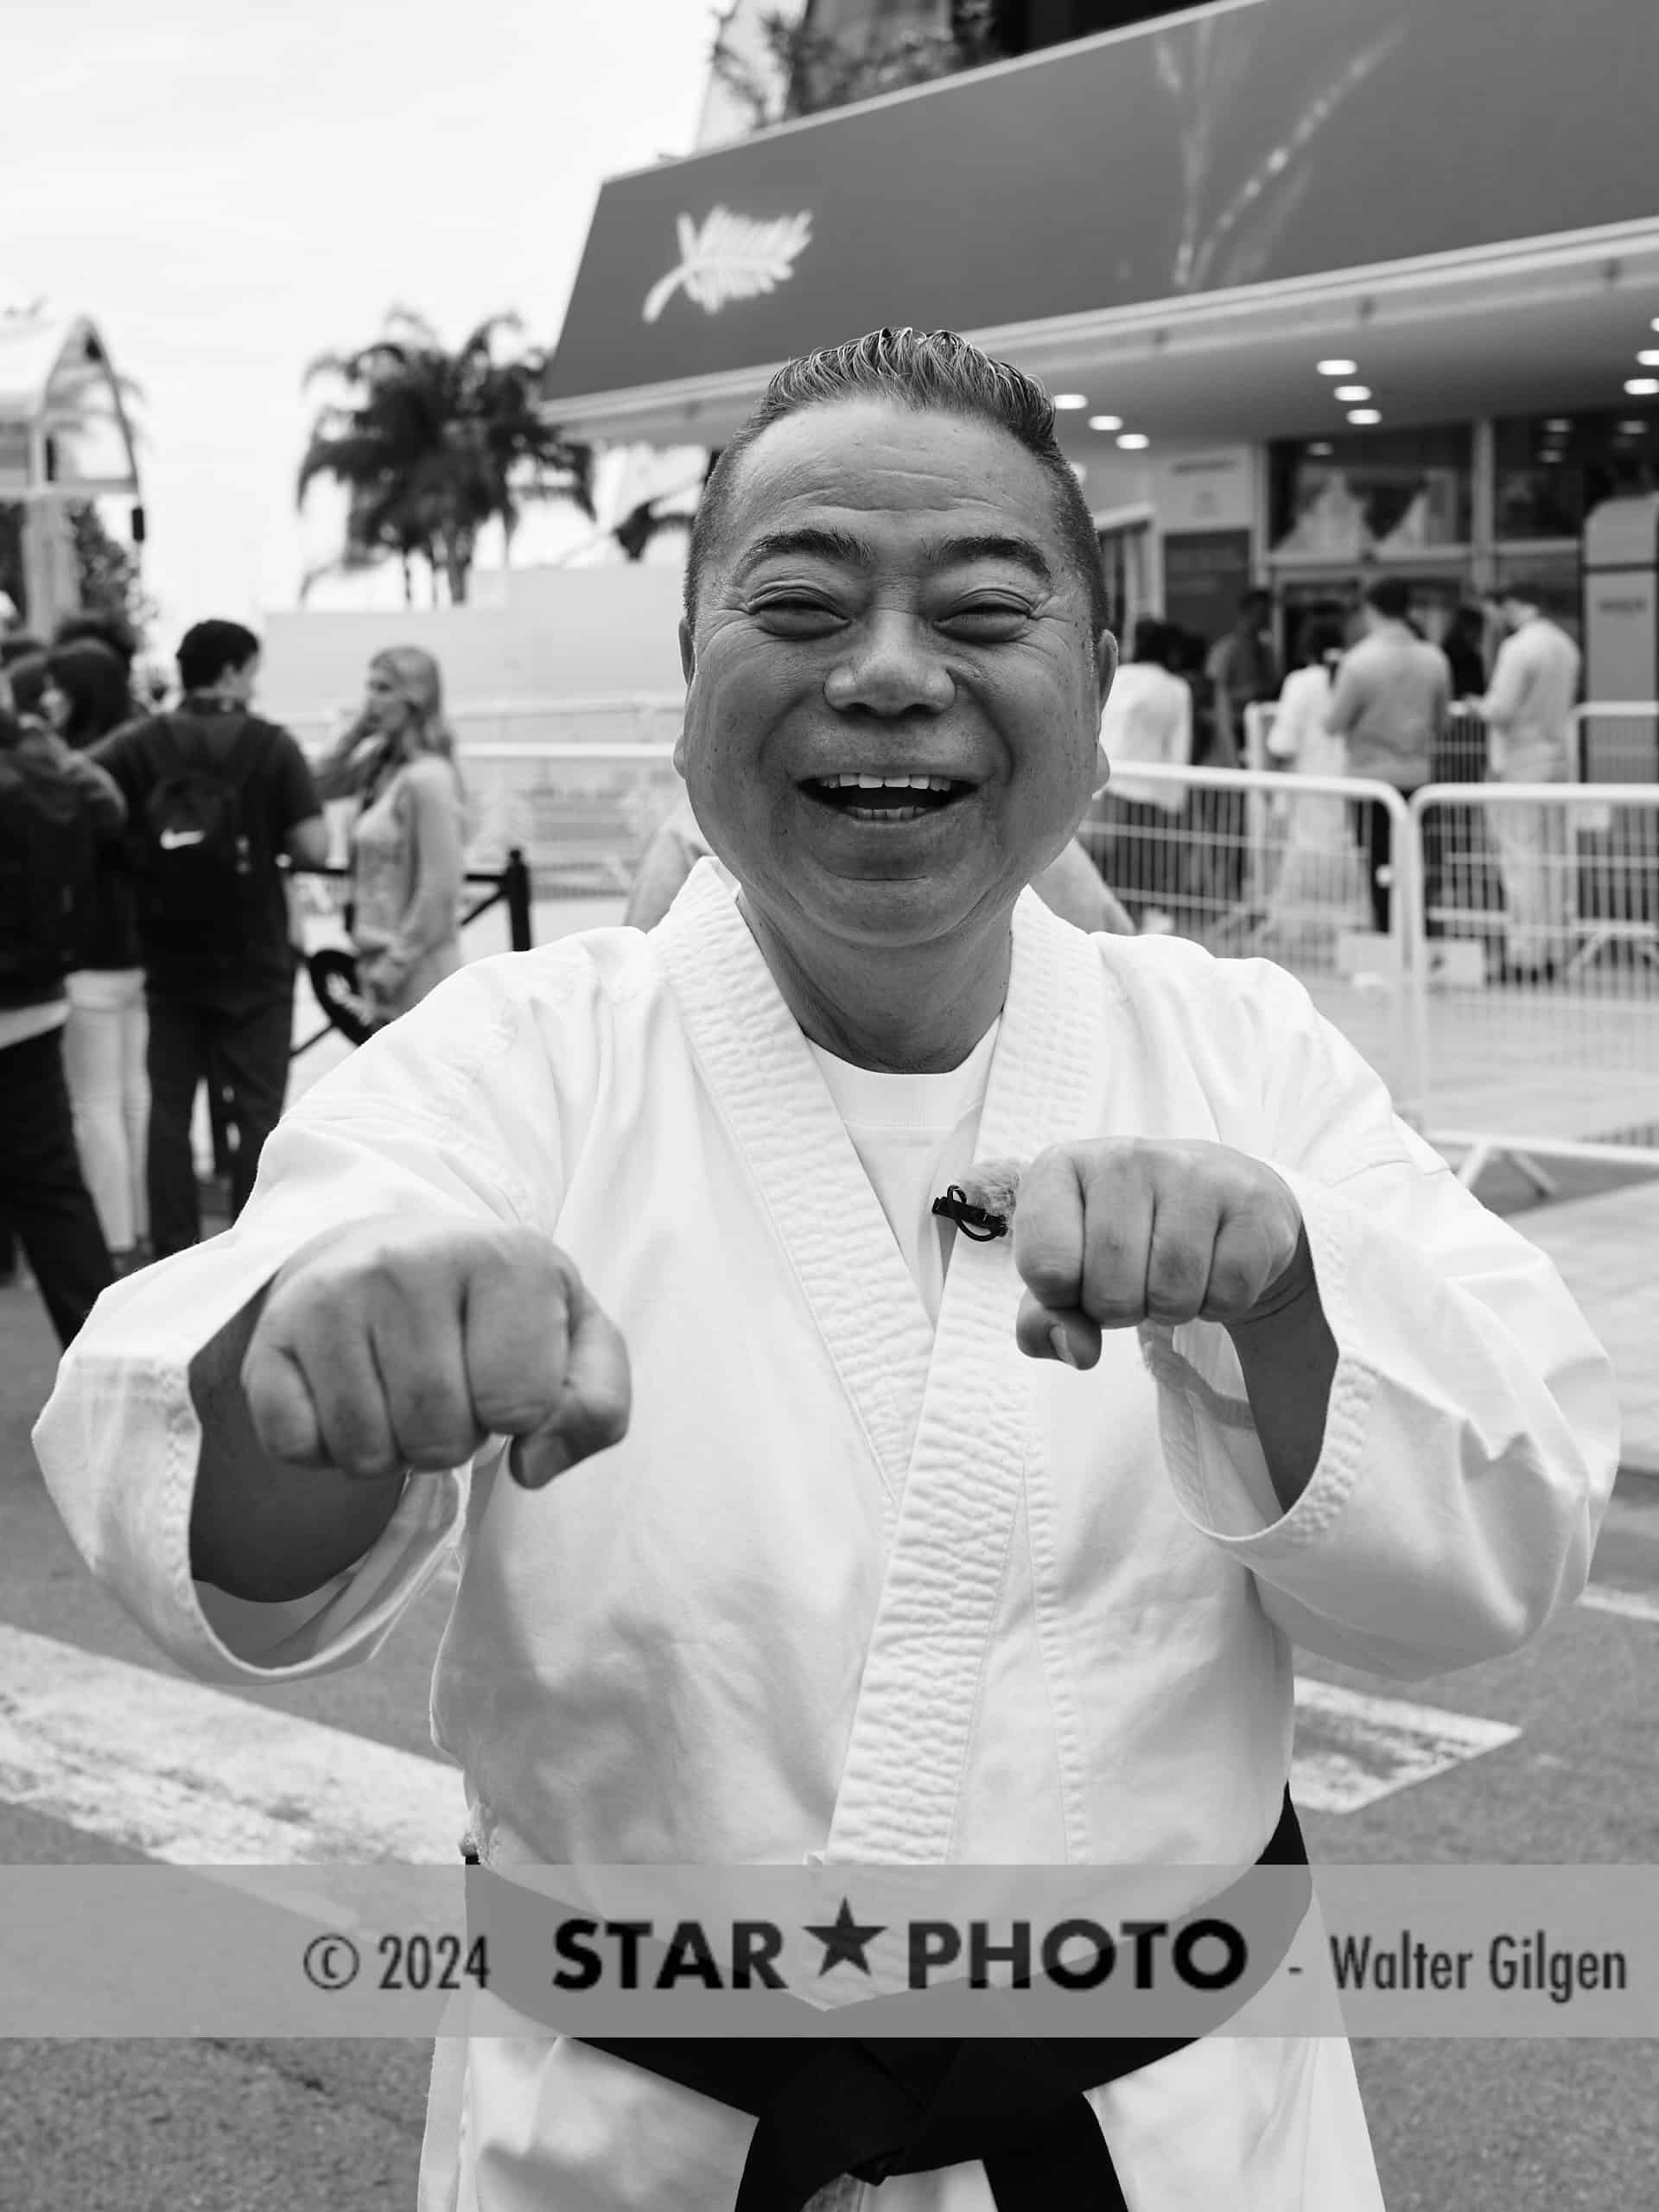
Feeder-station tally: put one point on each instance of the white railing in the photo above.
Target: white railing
(1617, 741)
(1485, 1059)
(606, 719)
(1534, 1006)
(1259, 863)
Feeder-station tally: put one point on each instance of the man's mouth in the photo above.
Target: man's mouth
(867, 796)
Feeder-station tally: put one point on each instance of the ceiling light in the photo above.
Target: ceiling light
(1364, 417)
(1105, 422)
(1322, 448)
(1560, 425)
(1357, 392)
(1649, 356)
(1069, 399)
(1337, 368)
(1132, 441)
(1634, 429)
(1642, 387)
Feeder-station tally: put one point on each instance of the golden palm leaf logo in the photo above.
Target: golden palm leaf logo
(731, 258)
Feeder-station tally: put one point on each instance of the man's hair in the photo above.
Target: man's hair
(1257, 601)
(1391, 597)
(1154, 641)
(1323, 635)
(212, 649)
(91, 627)
(922, 370)
(19, 646)
(93, 678)
(28, 677)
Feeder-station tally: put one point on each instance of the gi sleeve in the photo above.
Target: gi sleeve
(1471, 1437)
(453, 1111)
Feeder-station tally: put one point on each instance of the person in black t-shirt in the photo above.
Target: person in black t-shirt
(220, 1001)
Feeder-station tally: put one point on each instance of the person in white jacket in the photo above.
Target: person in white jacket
(798, 1525)
(1147, 719)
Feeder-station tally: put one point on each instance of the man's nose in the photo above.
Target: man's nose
(891, 666)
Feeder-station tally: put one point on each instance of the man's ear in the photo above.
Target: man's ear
(687, 650)
(1106, 663)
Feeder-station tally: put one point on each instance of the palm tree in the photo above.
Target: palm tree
(431, 446)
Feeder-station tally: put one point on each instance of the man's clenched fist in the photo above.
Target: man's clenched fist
(1108, 1234)
(388, 1345)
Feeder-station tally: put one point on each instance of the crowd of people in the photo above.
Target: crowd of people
(150, 944)
(1376, 706)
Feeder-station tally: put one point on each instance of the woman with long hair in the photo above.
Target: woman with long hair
(397, 759)
(1320, 881)
(80, 689)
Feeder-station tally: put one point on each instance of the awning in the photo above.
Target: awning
(1252, 172)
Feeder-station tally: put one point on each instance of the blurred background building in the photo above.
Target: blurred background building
(1322, 287)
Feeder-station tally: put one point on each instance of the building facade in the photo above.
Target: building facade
(1322, 287)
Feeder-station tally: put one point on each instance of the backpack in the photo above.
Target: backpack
(49, 874)
(201, 859)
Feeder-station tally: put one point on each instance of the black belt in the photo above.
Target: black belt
(903, 2105)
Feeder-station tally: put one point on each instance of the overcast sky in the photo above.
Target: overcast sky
(231, 186)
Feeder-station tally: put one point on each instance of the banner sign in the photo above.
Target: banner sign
(1237, 145)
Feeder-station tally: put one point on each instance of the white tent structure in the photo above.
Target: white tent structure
(65, 435)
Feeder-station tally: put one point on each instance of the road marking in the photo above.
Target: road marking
(1352, 1749)
(196, 1778)
(1628, 1605)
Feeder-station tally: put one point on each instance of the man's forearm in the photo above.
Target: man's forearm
(259, 1529)
(1289, 1361)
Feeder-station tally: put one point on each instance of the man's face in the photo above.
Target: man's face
(891, 598)
(239, 684)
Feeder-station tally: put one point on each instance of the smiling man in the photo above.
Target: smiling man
(872, 1538)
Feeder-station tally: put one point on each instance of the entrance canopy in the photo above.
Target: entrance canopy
(64, 430)
(1176, 222)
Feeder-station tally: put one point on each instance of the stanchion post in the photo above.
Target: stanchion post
(515, 882)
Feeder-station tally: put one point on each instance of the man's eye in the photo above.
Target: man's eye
(989, 614)
(795, 610)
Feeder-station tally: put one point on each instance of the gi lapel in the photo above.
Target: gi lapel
(909, 1742)
(827, 1221)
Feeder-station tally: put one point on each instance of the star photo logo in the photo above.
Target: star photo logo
(845, 1940)
(1075, 1954)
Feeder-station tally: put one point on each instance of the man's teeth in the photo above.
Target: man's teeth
(867, 782)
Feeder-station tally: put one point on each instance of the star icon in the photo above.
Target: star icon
(843, 1938)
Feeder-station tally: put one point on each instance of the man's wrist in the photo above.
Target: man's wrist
(1295, 1285)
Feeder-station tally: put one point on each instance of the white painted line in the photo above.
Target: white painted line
(195, 1777)
(1628, 1605)
(1352, 1749)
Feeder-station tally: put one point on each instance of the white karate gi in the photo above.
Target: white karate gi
(855, 1585)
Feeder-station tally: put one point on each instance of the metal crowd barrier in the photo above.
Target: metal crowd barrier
(604, 719)
(509, 887)
(1617, 741)
(1534, 968)
(1254, 862)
